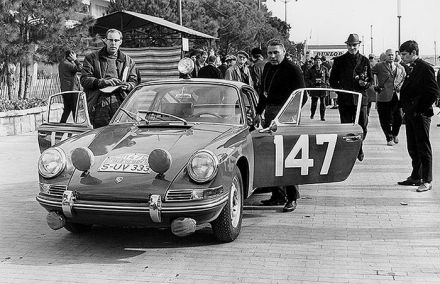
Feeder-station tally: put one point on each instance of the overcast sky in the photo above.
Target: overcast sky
(331, 21)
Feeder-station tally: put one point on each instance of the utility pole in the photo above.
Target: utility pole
(399, 15)
(363, 45)
(371, 31)
(179, 7)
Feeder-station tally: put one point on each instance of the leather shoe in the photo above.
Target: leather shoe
(424, 187)
(273, 201)
(390, 143)
(290, 206)
(410, 181)
(396, 140)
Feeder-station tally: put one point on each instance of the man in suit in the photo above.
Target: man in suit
(351, 71)
(390, 78)
(419, 91)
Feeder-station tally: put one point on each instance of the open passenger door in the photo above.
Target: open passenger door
(52, 131)
(297, 150)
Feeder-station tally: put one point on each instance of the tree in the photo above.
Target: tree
(239, 25)
(38, 31)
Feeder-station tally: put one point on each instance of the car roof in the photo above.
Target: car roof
(197, 80)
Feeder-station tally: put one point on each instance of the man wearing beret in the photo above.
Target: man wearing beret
(352, 71)
(240, 72)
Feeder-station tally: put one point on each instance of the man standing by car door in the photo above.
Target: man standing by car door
(280, 78)
(104, 68)
(351, 71)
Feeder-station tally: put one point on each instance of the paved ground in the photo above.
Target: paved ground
(356, 231)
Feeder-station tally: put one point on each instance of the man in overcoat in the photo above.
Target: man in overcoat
(351, 71)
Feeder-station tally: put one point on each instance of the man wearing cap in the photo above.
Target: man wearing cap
(257, 67)
(351, 71)
(210, 70)
(280, 78)
(240, 72)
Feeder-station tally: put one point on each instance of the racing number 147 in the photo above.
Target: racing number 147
(303, 162)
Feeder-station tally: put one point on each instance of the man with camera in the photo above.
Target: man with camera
(317, 77)
(390, 77)
(351, 71)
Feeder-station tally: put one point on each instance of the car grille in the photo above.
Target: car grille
(57, 190)
(178, 195)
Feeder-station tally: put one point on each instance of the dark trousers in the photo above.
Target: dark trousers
(347, 114)
(315, 104)
(419, 146)
(69, 101)
(390, 117)
(292, 192)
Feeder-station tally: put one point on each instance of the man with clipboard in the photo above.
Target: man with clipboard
(108, 75)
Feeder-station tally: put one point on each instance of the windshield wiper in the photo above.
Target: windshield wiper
(134, 116)
(185, 122)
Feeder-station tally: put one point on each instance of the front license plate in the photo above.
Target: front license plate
(128, 163)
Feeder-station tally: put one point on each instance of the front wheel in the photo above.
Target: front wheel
(227, 226)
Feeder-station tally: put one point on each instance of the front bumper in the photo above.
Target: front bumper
(154, 213)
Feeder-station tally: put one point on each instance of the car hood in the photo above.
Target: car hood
(122, 140)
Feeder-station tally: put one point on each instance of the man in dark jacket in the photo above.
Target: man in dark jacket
(67, 70)
(419, 91)
(351, 71)
(104, 68)
(210, 71)
(280, 78)
(257, 68)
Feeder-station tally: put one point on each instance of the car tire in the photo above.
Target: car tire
(227, 226)
(76, 228)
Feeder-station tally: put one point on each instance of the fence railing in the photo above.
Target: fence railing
(41, 87)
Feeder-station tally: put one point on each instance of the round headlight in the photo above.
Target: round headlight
(185, 66)
(52, 162)
(203, 166)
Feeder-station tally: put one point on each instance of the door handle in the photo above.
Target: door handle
(43, 135)
(352, 138)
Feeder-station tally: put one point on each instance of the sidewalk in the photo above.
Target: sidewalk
(366, 229)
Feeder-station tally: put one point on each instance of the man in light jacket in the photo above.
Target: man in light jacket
(240, 71)
(390, 77)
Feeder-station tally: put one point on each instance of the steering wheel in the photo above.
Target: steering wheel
(206, 113)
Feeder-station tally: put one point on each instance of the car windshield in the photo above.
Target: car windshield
(191, 102)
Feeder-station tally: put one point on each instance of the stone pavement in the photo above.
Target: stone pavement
(356, 231)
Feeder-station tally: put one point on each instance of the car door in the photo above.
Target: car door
(293, 152)
(52, 131)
